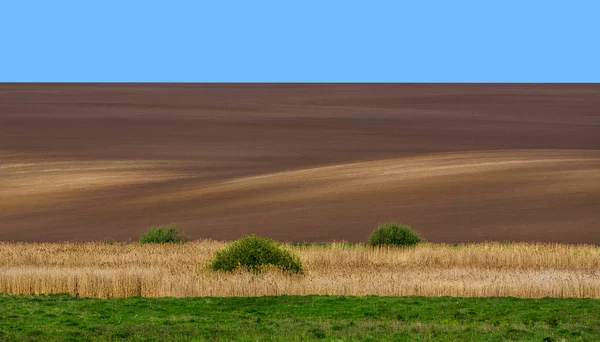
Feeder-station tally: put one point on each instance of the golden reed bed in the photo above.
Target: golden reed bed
(122, 270)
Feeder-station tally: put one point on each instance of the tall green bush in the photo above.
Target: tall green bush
(253, 253)
(394, 234)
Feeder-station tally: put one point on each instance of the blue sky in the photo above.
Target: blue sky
(300, 41)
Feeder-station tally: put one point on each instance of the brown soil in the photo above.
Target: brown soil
(300, 162)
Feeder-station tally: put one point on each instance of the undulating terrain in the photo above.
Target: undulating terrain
(300, 162)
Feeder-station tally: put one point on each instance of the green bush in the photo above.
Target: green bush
(395, 234)
(168, 234)
(253, 253)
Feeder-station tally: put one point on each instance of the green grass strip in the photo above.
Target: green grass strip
(298, 318)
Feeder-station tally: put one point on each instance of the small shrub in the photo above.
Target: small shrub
(254, 253)
(168, 234)
(395, 234)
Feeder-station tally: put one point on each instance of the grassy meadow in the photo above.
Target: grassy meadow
(298, 318)
(430, 292)
(116, 270)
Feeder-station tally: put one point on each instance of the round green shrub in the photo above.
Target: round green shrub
(168, 234)
(253, 253)
(394, 234)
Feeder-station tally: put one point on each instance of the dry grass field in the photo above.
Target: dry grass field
(178, 270)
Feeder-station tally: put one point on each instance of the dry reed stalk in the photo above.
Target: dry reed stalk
(122, 270)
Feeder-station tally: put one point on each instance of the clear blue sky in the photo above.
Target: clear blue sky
(300, 41)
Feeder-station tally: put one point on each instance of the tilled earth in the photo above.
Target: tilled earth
(300, 162)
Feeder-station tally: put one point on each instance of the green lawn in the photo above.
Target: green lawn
(287, 318)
